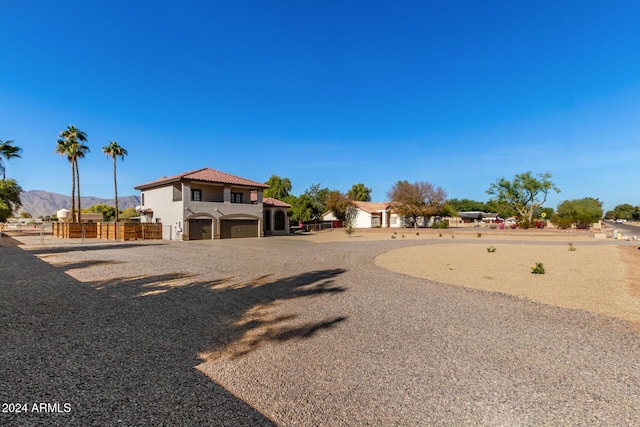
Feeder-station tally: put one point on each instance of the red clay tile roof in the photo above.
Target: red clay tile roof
(269, 201)
(373, 207)
(205, 175)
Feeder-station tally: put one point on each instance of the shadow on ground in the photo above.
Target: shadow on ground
(125, 351)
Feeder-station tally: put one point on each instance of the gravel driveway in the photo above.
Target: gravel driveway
(288, 332)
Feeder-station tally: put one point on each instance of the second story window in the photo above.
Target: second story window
(196, 195)
(236, 197)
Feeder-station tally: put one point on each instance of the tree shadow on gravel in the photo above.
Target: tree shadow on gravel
(41, 250)
(125, 351)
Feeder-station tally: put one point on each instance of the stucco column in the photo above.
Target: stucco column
(272, 214)
(384, 218)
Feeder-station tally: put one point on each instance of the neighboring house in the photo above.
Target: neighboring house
(476, 216)
(371, 215)
(208, 204)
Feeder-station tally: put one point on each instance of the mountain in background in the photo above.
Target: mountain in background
(42, 203)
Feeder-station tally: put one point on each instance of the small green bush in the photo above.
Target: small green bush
(440, 224)
(571, 247)
(393, 236)
(479, 235)
(538, 268)
(491, 249)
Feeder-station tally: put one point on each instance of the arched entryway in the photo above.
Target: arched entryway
(279, 221)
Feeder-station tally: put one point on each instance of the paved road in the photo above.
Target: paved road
(625, 228)
(257, 333)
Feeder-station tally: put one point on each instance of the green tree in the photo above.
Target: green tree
(524, 194)
(25, 214)
(9, 198)
(317, 200)
(624, 211)
(128, 213)
(108, 212)
(279, 188)
(414, 201)
(468, 205)
(70, 144)
(504, 210)
(113, 150)
(8, 151)
(343, 209)
(360, 193)
(302, 208)
(579, 212)
(447, 210)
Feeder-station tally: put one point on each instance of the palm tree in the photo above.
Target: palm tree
(70, 144)
(81, 151)
(113, 150)
(63, 149)
(8, 151)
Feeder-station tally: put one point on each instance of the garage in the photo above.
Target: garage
(237, 228)
(200, 229)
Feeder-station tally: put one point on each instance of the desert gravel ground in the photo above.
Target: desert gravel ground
(319, 330)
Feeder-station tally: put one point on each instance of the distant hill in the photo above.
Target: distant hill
(42, 203)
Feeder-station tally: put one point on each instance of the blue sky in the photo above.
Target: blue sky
(333, 92)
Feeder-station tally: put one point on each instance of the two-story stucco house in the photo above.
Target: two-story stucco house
(209, 204)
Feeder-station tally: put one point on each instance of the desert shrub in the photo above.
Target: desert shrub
(571, 247)
(563, 223)
(479, 235)
(491, 249)
(523, 222)
(538, 268)
(440, 224)
(493, 226)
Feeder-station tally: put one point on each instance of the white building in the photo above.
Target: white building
(372, 215)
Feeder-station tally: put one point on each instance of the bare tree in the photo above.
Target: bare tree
(342, 208)
(417, 200)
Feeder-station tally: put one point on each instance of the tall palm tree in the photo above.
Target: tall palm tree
(7, 151)
(81, 151)
(114, 150)
(70, 144)
(63, 149)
